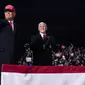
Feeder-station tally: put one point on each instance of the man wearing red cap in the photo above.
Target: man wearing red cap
(9, 37)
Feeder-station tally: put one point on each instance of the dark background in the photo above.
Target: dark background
(65, 18)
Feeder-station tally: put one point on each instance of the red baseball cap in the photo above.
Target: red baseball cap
(9, 8)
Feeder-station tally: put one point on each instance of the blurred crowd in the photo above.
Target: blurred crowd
(66, 55)
(69, 55)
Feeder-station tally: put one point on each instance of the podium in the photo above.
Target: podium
(42, 75)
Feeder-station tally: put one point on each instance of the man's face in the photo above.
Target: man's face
(42, 28)
(9, 15)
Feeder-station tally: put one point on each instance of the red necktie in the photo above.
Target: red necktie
(11, 25)
(44, 37)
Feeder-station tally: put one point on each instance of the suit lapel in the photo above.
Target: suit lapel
(41, 39)
(14, 28)
(6, 23)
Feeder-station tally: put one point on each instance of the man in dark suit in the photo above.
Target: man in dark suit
(42, 46)
(9, 37)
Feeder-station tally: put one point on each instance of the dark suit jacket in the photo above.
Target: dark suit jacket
(9, 43)
(41, 50)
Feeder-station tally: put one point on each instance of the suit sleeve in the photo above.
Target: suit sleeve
(53, 44)
(0, 25)
(33, 42)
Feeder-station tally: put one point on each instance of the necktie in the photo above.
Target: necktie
(11, 25)
(44, 37)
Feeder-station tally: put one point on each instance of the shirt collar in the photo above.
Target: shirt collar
(10, 21)
(42, 34)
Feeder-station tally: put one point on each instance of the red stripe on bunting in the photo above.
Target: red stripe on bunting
(43, 69)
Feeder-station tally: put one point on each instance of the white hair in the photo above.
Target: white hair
(42, 23)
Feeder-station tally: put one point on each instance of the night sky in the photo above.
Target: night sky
(65, 18)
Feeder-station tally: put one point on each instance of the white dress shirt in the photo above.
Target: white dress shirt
(42, 35)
